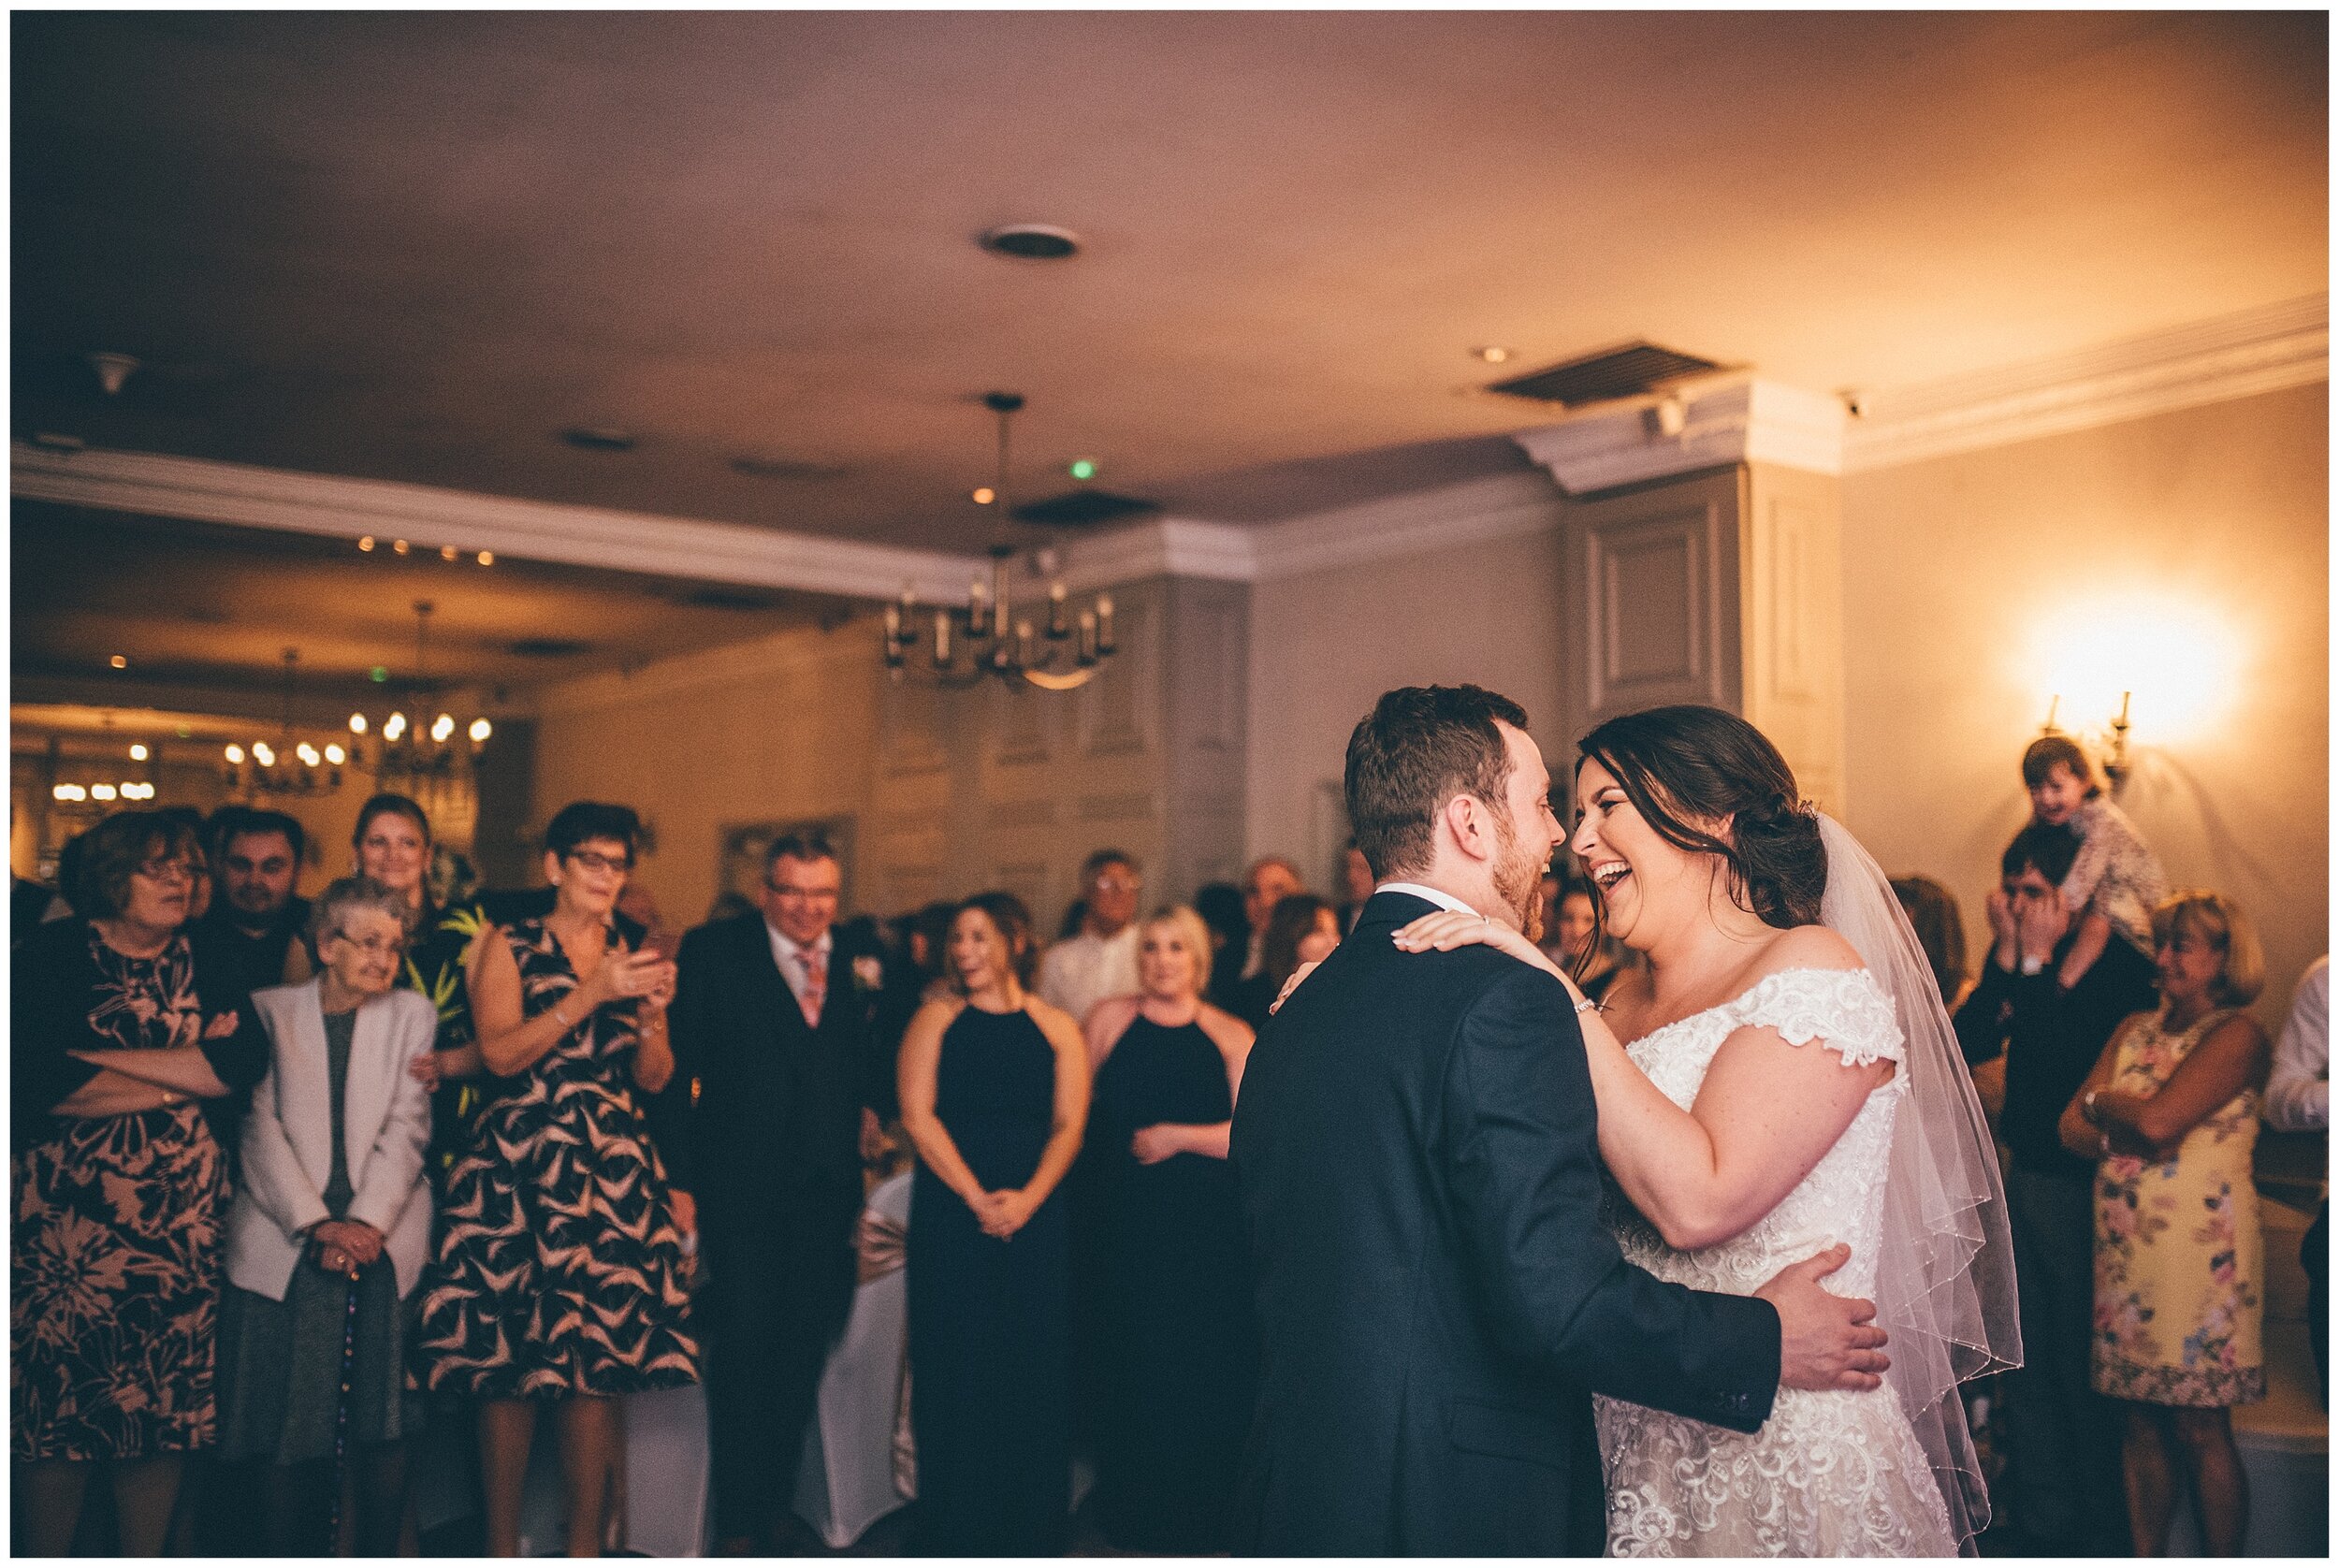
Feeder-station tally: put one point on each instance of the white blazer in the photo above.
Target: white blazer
(288, 1137)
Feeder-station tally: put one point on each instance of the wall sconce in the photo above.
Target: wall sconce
(2114, 758)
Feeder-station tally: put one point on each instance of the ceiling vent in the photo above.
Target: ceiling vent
(1082, 509)
(1619, 372)
(597, 438)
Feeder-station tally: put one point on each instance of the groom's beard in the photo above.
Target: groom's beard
(1518, 879)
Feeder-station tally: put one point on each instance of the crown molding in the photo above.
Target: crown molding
(1473, 512)
(1733, 422)
(2237, 355)
(339, 508)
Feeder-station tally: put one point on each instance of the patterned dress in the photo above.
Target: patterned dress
(116, 1255)
(560, 1267)
(1831, 1473)
(2178, 1252)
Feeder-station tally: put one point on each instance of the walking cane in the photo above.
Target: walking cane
(341, 1417)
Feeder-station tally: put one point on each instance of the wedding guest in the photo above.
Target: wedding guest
(118, 1035)
(1301, 929)
(1220, 905)
(191, 820)
(334, 1202)
(1268, 883)
(558, 1275)
(2297, 1100)
(1940, 928)
(1587, 952)
(2117, 881)
(2062, 1488)
(257, 921)
(392, 841)
(1164, 1264)
(993, 1094)
(255, 927)
(2171, 1113)
(772, 1021)
(1101, 960)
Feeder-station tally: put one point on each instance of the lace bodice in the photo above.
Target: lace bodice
(1828, 1474)
(1842, 1200)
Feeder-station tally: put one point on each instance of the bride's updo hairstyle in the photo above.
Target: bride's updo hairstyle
(1676, 763)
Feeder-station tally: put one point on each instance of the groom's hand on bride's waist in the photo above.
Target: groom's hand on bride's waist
(1824, 1342)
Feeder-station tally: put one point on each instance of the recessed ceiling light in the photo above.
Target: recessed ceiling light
(599, 437)
(118, 661)
(138, 752)
(985, 495)
(486, 557)
(1493, 354)
(366, 543)
(448, 552)
(1031, 241)
(399, 546)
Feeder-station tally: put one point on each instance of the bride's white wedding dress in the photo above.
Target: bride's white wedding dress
(1829, 1473)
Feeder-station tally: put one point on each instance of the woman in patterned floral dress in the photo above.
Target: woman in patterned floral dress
(559, 1274)
(2170, 1112)
(120, 1188)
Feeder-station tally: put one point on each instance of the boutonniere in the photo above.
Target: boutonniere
(868, 972)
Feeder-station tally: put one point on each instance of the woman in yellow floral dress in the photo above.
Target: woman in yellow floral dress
(2170, 1112)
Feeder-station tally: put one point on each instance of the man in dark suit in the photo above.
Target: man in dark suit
(769, 1023)
(1415, 1142)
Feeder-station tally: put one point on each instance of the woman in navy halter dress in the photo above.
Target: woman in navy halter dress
(993, 1092)
(1160, 1249)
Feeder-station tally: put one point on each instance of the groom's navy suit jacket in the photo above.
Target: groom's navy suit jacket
(1438, 1300)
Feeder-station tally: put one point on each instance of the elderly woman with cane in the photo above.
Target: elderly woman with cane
(329, 1233)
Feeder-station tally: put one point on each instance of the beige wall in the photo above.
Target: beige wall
(1956, 571)
(1325, 645)
(946, 791)
(1959, 574)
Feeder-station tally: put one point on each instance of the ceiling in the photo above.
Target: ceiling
(205, 607)
(416, 246)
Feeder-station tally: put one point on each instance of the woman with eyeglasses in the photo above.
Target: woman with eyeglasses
(120, 1188)
(334, 1201)
(558, 1277)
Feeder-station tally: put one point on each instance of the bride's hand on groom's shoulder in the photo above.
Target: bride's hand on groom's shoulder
(1449, 929)
(1303, 972)
(1824, 1342)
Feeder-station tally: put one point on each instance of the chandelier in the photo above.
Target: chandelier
(1057, 655)
(405, 749)
(290, 765)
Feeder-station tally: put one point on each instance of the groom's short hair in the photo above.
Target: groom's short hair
(1419, 747)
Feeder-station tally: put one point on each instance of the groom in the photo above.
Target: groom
(1416, 1146)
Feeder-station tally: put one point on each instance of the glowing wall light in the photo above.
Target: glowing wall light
(2173, 662)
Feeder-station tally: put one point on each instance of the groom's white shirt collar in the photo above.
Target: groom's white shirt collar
(1442, 900)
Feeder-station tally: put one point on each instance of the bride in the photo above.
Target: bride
(1780, 1075)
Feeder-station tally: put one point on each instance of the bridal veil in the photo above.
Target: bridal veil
(1945, 1279)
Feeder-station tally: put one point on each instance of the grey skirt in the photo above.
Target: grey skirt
(280, 1366)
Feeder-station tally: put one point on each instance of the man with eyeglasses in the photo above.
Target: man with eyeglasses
(771, 1020)
(1100, 961)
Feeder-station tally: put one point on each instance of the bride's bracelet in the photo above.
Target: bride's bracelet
(1587, 1005)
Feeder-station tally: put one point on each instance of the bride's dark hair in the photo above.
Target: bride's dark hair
(1691, 762)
